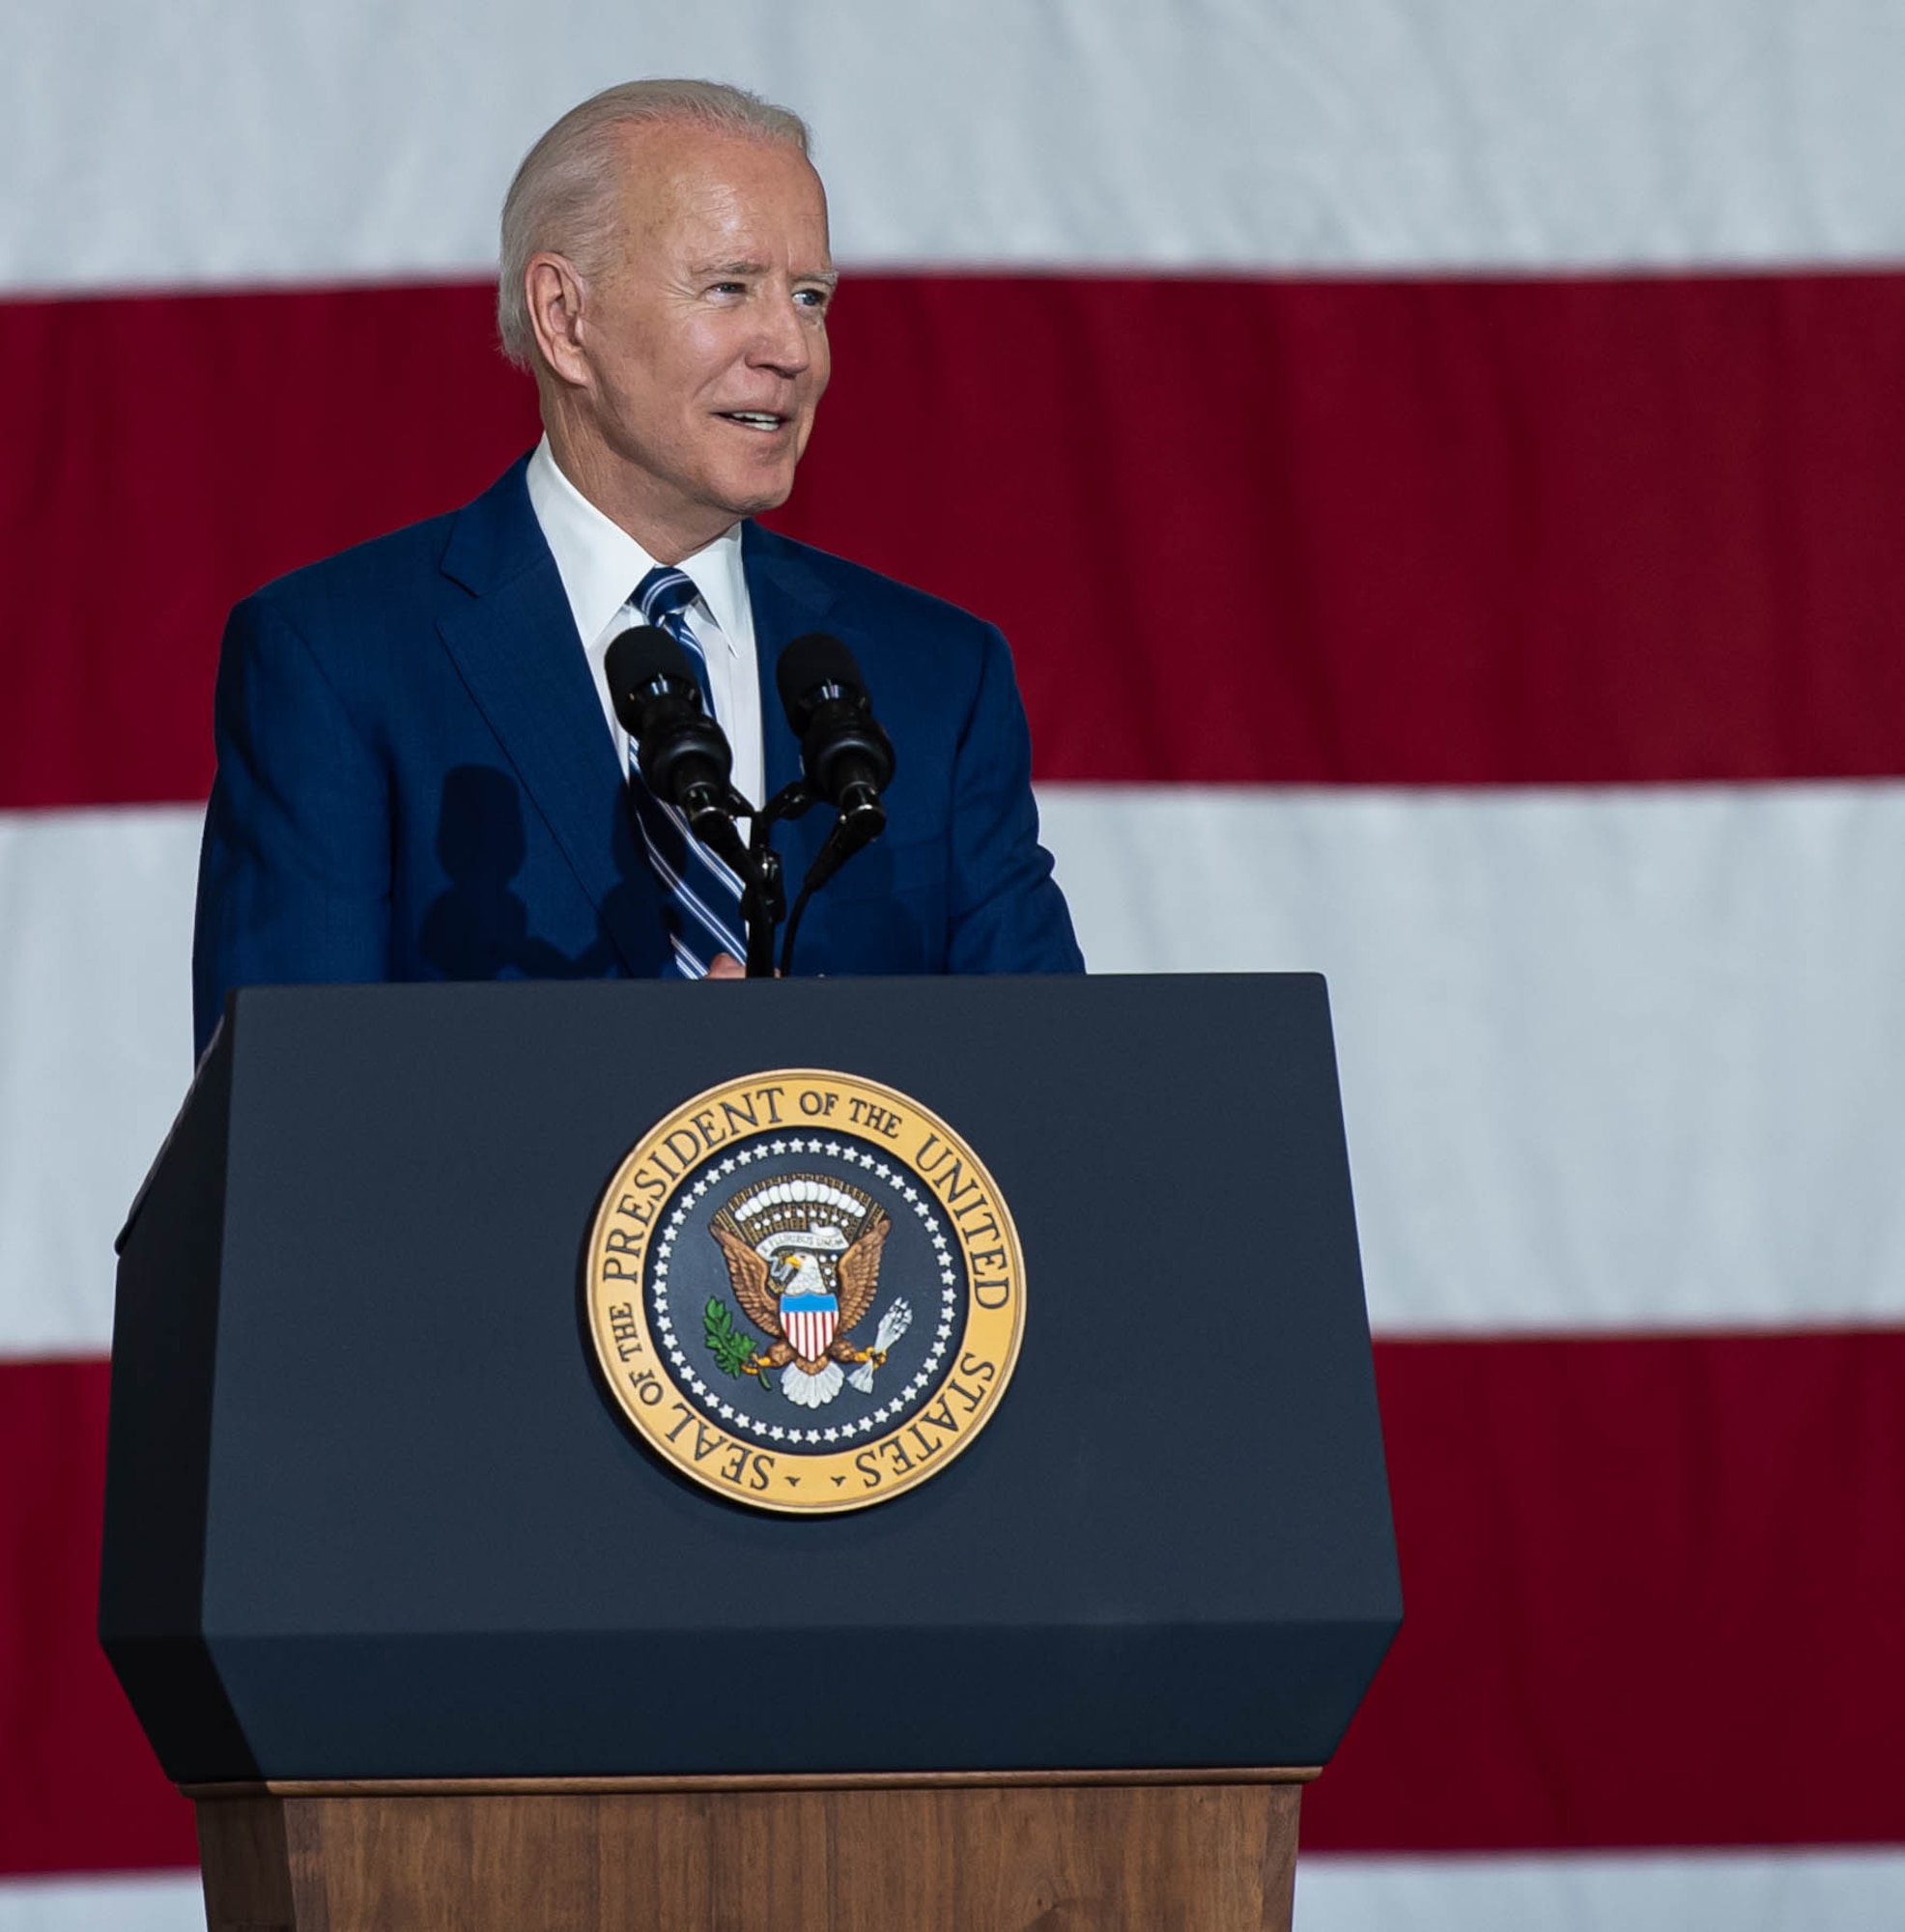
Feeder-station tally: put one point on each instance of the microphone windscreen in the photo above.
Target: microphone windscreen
(807, 664)
(636, 660)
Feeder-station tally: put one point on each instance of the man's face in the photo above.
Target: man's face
(706, 336)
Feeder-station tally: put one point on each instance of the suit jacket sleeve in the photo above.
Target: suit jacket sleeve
(294, 873)
(1007, 913)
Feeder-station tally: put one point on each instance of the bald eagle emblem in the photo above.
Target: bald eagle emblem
(803, 1257)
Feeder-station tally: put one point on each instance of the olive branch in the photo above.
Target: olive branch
(730, 1344)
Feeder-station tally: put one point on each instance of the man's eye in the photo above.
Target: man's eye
(810, 298)
(728, 289)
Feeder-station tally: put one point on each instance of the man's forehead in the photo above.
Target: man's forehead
(692, 194)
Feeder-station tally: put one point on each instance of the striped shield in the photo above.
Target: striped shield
(807, 1322)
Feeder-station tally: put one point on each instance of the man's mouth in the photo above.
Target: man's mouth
(761, 419)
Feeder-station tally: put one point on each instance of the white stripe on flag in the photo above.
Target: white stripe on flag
(158, 1902)
(95, 1051)
(1779, 1891)
(377, 141)
(1719, 1892)
(1611, 1060)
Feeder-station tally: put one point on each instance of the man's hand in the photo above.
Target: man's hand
(725, 966)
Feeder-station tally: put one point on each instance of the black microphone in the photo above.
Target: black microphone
(846, 757)
(682, 753)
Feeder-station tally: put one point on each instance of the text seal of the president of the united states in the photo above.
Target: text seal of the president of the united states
(804, 1291)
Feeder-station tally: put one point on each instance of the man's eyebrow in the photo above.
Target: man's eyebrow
(827, 277)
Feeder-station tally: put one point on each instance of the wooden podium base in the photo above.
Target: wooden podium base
(980, 1852)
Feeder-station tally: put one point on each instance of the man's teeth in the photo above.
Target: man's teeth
(754, 418)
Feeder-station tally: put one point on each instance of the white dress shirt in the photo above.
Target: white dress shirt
(600, 565)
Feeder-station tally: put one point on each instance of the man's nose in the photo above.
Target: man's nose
(782, 343)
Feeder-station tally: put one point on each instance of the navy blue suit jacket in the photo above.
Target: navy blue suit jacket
(415, 782)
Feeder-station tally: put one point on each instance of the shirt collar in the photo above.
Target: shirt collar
(600, 563)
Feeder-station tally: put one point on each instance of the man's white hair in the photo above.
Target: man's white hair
(564, 197)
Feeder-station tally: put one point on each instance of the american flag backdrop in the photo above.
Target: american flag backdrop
(1443, 470)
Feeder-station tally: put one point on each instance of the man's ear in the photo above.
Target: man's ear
(556, 296)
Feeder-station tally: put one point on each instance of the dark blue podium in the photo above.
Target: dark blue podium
(386, 1571)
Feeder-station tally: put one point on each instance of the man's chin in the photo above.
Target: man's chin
(754, 495)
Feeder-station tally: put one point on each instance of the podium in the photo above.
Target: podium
(437, 1636)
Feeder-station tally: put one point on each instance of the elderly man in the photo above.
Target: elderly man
(420, 775)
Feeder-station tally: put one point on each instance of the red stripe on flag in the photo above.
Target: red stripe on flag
(1379, 531)
(172, 453)
(79, 1787)
(1653, 1592)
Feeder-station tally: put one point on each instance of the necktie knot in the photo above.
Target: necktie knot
(663, 594)
(662, 598)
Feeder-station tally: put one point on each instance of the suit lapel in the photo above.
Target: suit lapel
(515, 647)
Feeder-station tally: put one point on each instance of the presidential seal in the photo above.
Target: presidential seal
(805, 1292)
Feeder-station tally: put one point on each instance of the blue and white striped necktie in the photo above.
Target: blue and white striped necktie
(703, 897)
